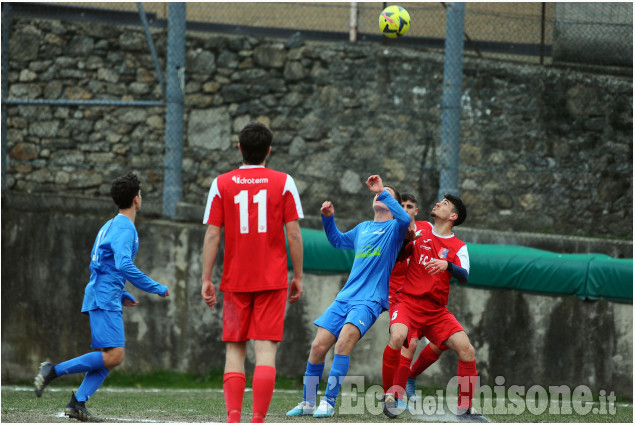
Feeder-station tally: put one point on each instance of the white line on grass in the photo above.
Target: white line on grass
(62, 415)
(142, 390)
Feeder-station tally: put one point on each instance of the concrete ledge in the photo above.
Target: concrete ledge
(194, 214)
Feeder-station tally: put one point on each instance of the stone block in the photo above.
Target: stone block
(209, 129)
(270, 56)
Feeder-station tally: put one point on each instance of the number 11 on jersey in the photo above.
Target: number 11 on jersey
(260, 199)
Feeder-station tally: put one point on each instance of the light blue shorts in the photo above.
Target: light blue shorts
(362, 314)
(106, 328)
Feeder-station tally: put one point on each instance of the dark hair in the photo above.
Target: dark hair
(255, 139)
(124, 189)
(408, 197)
(459, 208)
(397, 195)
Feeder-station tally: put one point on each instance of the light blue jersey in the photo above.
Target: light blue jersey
(376, 247)
(111, 265)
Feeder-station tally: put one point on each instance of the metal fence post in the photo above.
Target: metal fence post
(172, 183)
(451, 102)
(6, 20)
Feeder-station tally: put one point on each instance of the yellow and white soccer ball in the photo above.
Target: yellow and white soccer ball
(394, 21)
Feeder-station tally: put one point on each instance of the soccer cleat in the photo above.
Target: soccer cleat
(44, 377)
(471, 415)
(302, 409)
(402, 405)
(324, 410)
(411, 386)
(77, 410)
(391, 409)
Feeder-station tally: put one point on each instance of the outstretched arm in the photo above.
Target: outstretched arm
(336, 238)
(122, 251)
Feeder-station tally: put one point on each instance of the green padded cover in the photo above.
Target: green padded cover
(588, 276)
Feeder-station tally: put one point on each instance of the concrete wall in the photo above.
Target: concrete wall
(528, 339)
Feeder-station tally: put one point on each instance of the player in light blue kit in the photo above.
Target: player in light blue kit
(111, 265)
(361, 300)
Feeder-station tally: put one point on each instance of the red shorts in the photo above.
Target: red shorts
(425, 318)
(412, 333)
(254, 315)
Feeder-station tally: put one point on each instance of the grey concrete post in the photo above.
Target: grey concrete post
(175, 88)
(451, 102)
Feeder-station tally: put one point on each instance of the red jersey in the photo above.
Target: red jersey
(428, 247)
(253, 203)
(398, 275)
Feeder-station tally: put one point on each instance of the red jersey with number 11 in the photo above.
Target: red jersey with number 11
(253, 203)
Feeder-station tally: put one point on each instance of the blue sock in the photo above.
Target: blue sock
(85, 363)
(312, 377)
(92, 381)
(338, 372)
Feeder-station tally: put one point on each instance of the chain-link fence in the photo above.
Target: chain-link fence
(339, 111)
(590, 33)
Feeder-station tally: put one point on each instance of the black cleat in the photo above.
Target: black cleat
(77, 410)
(44, 377)
(471, 415)
(390, 406)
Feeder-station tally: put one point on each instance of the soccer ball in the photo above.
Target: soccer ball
(394, 21)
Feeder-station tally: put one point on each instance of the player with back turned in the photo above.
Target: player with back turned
(255, 205)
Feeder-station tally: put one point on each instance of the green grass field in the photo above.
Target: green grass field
(168, 397)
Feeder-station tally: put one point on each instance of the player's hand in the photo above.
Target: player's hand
(327, 209)
(167, 294)
(436, 266)
(295, 290)
(209, 293)
(129, 303)
(375, 184)
(411, 235)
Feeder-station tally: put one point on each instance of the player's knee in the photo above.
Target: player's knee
(397, 339)
(467, 353)
(114, 357)
(318, 348)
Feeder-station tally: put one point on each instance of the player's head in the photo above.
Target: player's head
(409, 204)
(378, 205)
(450, 208)
(125, 189)
(393, 192)
(254, 141)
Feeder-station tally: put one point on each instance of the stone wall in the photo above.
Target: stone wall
(543, 150)
(528, 339)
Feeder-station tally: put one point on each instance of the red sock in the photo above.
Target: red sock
(401, 376)
(234, 389)
(425, 359)
(467, 382)
(263, 385)
(389, 367)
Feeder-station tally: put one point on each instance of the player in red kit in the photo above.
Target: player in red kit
(431, 352)
(255, 205)
(434, 258)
